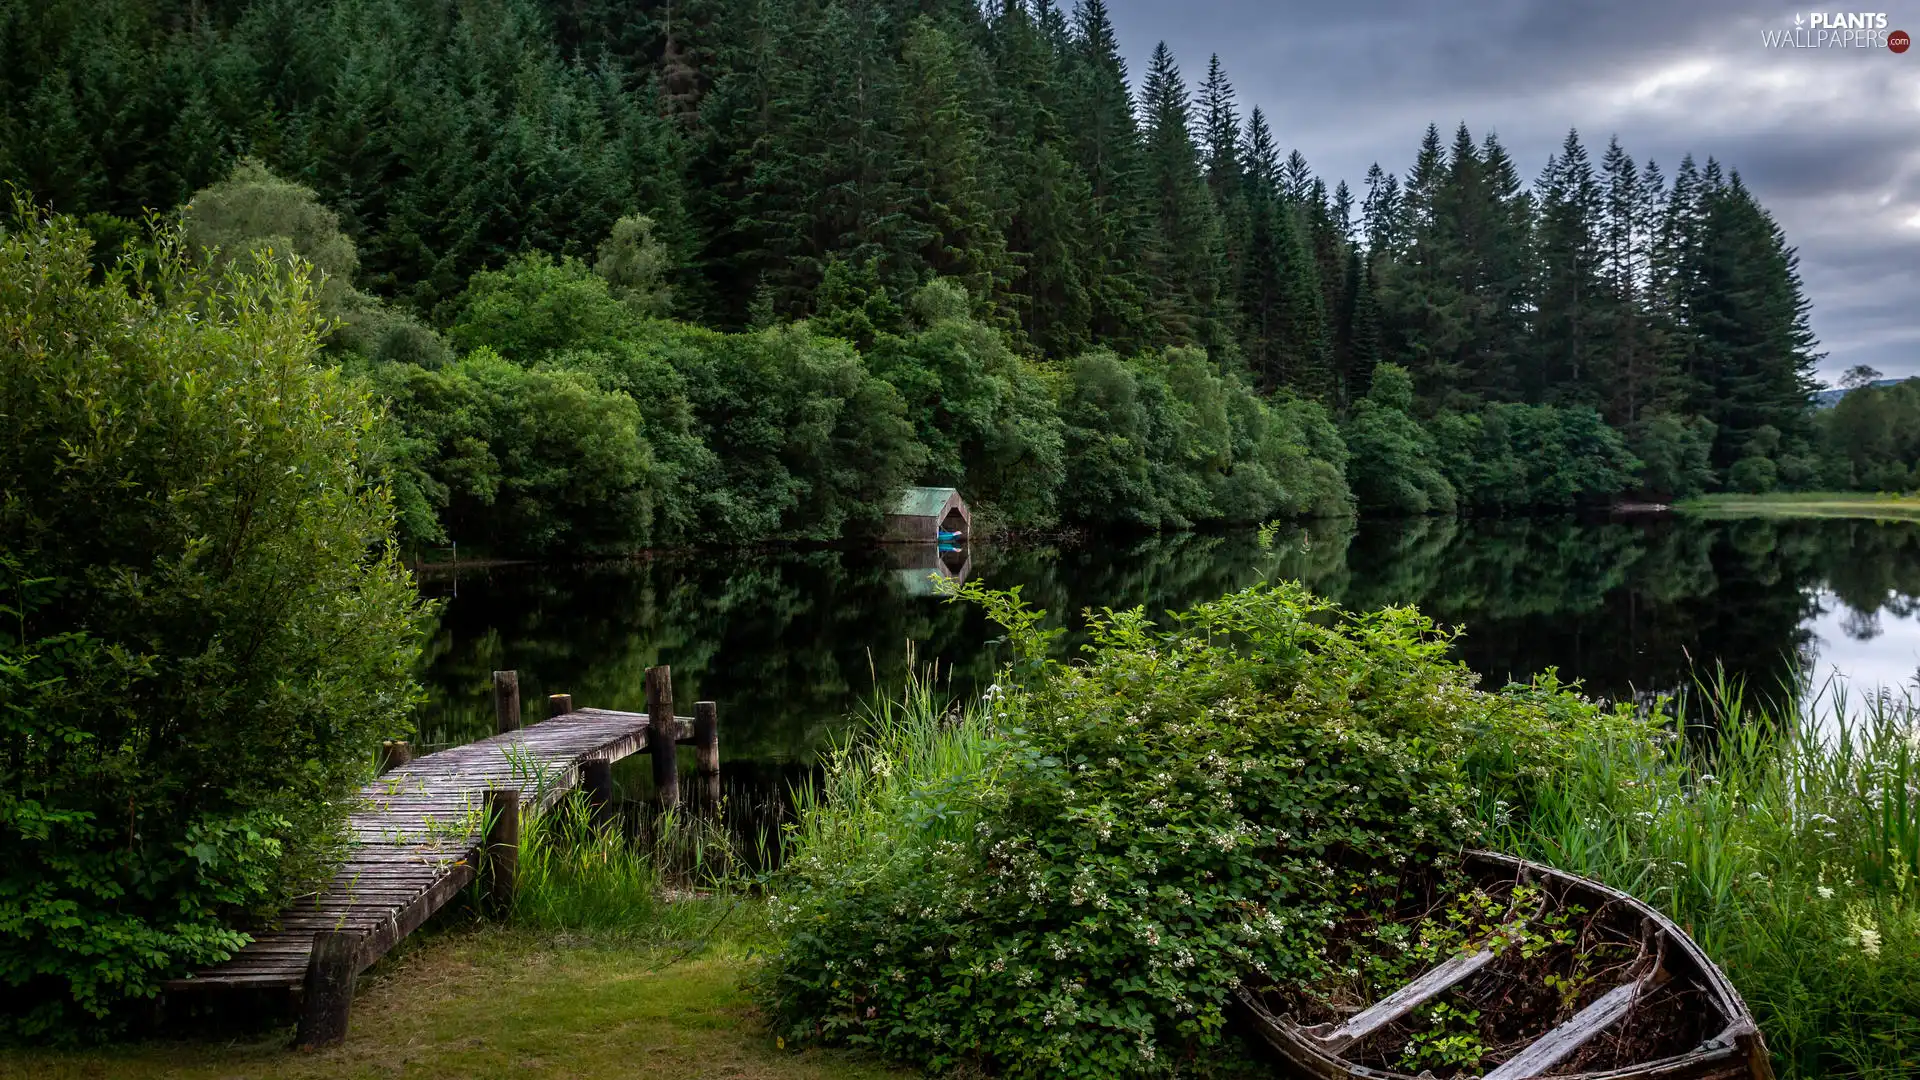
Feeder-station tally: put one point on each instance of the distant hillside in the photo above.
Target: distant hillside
(1827, 399)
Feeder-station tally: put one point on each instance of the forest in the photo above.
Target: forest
(721, 270)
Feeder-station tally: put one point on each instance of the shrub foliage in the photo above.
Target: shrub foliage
(203, 627)
(1188, 805)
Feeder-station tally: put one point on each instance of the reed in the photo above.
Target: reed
(1784, 836)
(879, 796)
(582, 873)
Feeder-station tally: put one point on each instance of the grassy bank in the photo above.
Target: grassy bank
(1881, 506)
(507, 1004)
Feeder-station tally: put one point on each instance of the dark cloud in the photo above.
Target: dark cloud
(1828, 139)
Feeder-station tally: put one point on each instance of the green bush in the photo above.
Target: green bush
(779, 433)
(808, 444)
(1871, 439)
(1678, 454)
(253, 211)
(1168, 441)
(1392, 457)
(519, 462)
(1532, 457)
(985, 415)
(205, 626)
(1071, 884)
(1753, 474)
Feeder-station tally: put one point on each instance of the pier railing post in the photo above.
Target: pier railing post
(706, 744)
(327, 1003)
(500, 851)
(506, 701)
(663, 735)
(395, 753)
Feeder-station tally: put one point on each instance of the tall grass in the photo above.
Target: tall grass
(1783, 836)
(581, 872)
(896, 784)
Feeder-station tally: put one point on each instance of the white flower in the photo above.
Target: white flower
(1825, 893)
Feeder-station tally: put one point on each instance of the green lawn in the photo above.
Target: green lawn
(494, 1003)
(1833, 504)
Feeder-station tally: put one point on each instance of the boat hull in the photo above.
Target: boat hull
(1737, 1052)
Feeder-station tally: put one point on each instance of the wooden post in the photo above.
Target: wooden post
(332, 969)
(500, 852)
(559, 705)
(395, 753)
(596, 777)
(506, 701)
(663, 735)
(706, 743)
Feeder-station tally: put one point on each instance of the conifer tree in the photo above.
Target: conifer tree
(954, 186)
(1570, 363)
(1380, 213)
(1183, 259)
(1107, 150)
(1226, 179)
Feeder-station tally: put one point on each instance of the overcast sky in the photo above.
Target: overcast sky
(1828, 139)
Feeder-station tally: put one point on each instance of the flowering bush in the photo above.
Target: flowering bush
(1186, 806)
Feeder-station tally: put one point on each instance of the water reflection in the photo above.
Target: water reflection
(789, 642)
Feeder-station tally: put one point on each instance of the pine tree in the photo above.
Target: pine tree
(1748, 321)
(1287, 340)
(1053, 219)
(1424, 316)
(1226, 179)
(954, 186)
(1098, 111)
(1503, 260)
(1381, 213)
(1570, 362)
(1624, 273)
(1184, 261)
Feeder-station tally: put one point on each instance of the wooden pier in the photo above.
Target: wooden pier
(427, 827)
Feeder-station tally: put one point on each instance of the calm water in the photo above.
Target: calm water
(789, 643)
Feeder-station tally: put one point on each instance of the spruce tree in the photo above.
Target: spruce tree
(1570, 364)
(1752, 343)
(955, 187)
(1226, 179)
(1380, 213)
(1183, 260)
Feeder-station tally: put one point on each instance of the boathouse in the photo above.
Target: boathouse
(924, 513)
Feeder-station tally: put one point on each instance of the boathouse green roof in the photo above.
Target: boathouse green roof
(923, 501)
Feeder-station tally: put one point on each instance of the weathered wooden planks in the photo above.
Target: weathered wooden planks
(416, 839)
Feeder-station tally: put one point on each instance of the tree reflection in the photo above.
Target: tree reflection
(789, 642)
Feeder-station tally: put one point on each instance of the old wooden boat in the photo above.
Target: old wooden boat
(1664, 1012)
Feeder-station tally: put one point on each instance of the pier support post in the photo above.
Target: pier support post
(395, 753)
(596, 779)
(559, 705)
(500, 852)
(506, 701)
(706, 743)
(663, 735)
(332, 969)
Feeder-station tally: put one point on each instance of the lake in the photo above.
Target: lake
(790, 643)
